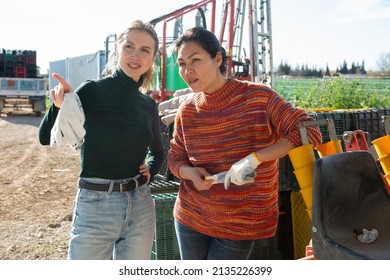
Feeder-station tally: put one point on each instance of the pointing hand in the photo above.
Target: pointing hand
(57, 94)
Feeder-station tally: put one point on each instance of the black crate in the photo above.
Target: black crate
(285, 229)
(287, 179)
(266, 249)
(283, 174)
(31, 71)
(343, 121)
(20, 58)
(280, 246)
(370, 121)
(31, 60)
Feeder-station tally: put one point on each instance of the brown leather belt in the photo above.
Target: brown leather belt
(130, 185)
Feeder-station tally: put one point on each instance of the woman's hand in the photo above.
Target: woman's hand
(144, 170)
(57, 94)
(197, 176)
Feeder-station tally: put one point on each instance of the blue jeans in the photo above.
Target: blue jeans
(194, 245)
(112, 225)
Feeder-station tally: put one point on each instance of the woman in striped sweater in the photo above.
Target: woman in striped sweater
(228, 125)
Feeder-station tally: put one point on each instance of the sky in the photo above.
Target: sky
(304, 32)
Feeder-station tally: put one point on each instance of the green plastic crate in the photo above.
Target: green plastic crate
(165, 245)
(162, 185)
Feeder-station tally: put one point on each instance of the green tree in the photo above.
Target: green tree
(353, 69)
(362, 70)
(327, 72)
(344, 68)
(284, 68)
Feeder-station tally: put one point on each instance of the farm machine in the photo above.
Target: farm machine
(244, 31)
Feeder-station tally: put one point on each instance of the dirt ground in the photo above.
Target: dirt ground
(37, 187)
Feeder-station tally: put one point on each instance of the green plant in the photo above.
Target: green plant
(335, 93)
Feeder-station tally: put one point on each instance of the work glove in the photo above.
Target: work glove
(243, 171)
(72, 134)
(56, 135)
(169, 107)
(69, 125)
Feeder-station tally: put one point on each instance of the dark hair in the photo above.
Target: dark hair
(207, 40)
(113, 61)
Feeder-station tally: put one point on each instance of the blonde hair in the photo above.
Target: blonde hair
(112, 63)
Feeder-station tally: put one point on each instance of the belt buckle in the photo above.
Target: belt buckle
(135, 179)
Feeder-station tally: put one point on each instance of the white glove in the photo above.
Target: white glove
(69, 125)
(71, 136)
(243, 171)
(168, 119)
(167, 106)
(55, 134)
(73, 112)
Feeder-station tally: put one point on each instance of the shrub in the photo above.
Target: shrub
(337, 93)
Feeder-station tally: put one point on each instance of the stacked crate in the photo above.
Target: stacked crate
(9, 63)
(2, 57)
(162, 185)
(343, 121)
(165, 245)
(18, 63)
(301, 225)
(370, 121)
(31, 64)
(20, 67)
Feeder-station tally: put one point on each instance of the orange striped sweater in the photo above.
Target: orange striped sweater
(214, 131)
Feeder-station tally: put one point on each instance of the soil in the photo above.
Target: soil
(37, 187)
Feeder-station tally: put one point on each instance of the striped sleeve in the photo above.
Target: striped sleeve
(286, 119)
(177, 154)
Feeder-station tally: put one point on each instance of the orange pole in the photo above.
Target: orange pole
(231, 38)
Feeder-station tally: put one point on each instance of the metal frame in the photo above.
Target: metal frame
(233, 19)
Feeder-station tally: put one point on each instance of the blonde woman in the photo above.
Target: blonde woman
(114, 215)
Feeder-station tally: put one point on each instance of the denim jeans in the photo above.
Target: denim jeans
(114, 225)
(194, 245)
